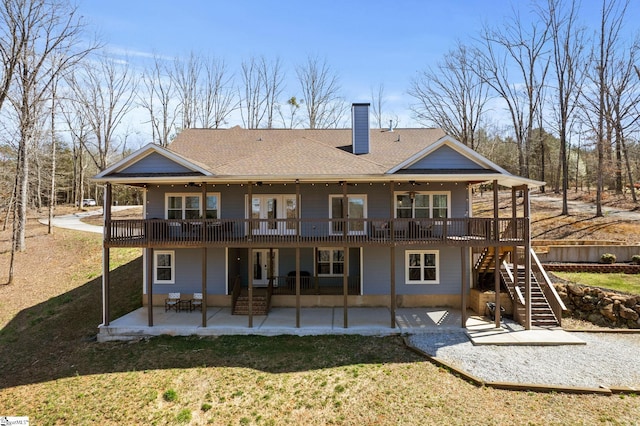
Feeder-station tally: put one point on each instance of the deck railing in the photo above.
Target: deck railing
(370, 231)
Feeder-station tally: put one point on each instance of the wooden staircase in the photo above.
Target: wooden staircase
(260, 303)
(542, 314)
(486, 262)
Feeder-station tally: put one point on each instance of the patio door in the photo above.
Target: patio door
(265, 265)
(272, 210)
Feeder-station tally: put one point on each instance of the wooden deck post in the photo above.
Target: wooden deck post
(496, 254)
(298, 233)
(527, 258)
(345, 272)
(392, 295)
(204, 287)
(464, 286)
(297, 287)
(250, 214)
(204, 256)
(250, 325)
(106, 274)
(150, 286)
(392, 260)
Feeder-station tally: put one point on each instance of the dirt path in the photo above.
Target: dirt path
(582, 207)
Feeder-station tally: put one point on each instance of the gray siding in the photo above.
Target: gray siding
(314, 204)
(377, 270)
(314, 199)
(156, 163)
(360, 118)
(444, 158)
(188, 274)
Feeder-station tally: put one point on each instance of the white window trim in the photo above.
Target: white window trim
(331, 263)
(364, 213)
(172, 253)
(190, 194)
(421, 252)
(430, 193)
(282, 213)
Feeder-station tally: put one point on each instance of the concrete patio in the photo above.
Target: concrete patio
(325, 321)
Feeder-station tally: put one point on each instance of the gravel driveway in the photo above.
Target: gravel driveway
(608, 359)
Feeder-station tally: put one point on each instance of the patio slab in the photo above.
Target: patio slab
(374, 321)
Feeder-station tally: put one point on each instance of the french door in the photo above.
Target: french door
(272, 212)
(265, 265)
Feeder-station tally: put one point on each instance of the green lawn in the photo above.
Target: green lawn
(53, 371)
(626, 283)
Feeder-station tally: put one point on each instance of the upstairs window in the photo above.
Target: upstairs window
(427, 205)
(189, 206)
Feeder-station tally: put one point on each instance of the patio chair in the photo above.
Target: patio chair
(196, 302)
(379, 229)
(172, 302)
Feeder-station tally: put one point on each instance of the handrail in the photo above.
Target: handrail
(150, 232)
(519, 294)
(237, 288)
(508, 270)
(554, 300)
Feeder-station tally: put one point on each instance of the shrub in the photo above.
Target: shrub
(170, 395)
(608, 258)
(206, 407)
(184, 416)
(635, 259)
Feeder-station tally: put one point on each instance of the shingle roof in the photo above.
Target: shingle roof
(288, 152)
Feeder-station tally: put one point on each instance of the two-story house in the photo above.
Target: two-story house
(249, 219)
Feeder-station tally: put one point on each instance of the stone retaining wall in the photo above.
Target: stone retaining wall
(584, 253)
(600, 268)
(601, 307)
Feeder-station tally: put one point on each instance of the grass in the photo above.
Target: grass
(626, 283)
(53, 371)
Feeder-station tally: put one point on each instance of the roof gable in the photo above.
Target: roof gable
(445, 158)
(153, 161)
(447, 154)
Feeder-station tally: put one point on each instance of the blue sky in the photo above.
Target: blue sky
(365, 42)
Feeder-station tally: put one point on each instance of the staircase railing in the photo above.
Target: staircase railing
(549, 291)
(510, 280)
(237, 289)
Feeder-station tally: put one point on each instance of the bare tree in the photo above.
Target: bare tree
(43, 29)
(321, 91)
(157, 98)
(624, 96)
(452, 96)
(568, 63)
(377, 103)
(185, 76)
(104, 94)
(216, 100)
(272, 77)
(597, 108)
(78, 126)
(252, 102)
(514, 46)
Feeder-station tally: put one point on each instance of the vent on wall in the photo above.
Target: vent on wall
(360, 128)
